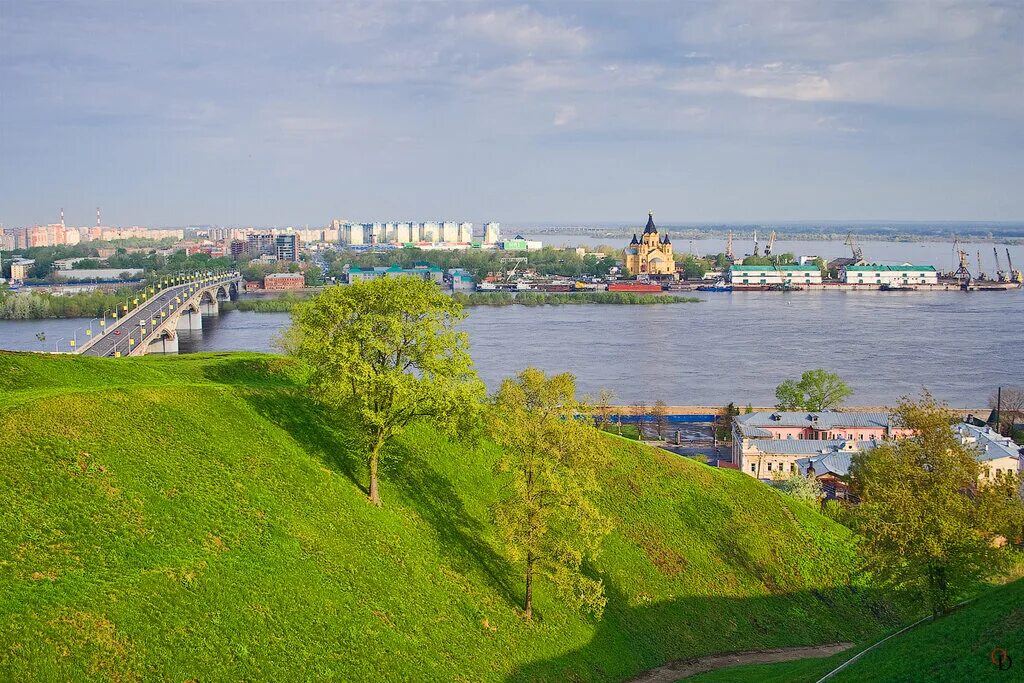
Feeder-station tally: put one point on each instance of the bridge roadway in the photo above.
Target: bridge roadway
(132, 334)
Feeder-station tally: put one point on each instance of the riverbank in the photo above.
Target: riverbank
(42, 305)
(285, 303)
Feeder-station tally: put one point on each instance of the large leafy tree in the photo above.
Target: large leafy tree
(550, 455)
(815, 390)
(925, 529)
(389, 351)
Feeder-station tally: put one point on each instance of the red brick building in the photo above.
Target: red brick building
(284, 281)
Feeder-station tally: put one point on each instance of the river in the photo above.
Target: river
(731, 347)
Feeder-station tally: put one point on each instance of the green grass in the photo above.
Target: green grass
(197, 517)
(957, 647)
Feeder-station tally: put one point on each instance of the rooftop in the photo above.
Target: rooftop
(826, 419)
(810, 446)
(880, 268)
(810, 267)
(989, 443)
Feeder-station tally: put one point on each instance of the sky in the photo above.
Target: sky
(292, 113)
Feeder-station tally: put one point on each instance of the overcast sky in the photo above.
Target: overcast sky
(292, 112)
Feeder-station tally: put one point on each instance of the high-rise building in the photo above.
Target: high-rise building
(260, 244)
(430, 232)
(465, 232)
(449, 232)
(492, 233)
(353, 234)
(287, 247)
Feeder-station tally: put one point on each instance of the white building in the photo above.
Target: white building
(449, 231)
(430, 232)
(465, 232)
(997, 455)
(353, 234)
(774, 275)
(492, 233)
(404, 233)
(904, 275)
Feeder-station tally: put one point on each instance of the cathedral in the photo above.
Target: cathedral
(650, 254)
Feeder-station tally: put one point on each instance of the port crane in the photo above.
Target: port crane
(516, 261)
(1015, 275)
(756, 250)
(1000, 275)
(963, 273)
(771, 244)
(728, 247)
(981, 271)
(851, 242)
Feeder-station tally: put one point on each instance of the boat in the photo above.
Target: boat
(717, 286)
(895, 288)
(639, 287)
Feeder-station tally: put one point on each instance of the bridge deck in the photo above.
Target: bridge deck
(126, 336)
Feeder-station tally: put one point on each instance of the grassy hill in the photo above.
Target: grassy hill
(957, 647)
(197, 517)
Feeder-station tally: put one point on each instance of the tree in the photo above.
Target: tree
(815, 391)
(313, 276)
(640, 411)
(603, 407)
(659, 415)
(807, 489)
(550, 455)
(924, 530)
(726, 417)
(388, 351)
(1010, 403)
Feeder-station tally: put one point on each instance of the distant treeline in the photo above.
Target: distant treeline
(551, 299)
(284, 303)
(278, 304)
(37, 305)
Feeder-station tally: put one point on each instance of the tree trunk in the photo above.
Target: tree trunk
(528, 607)
(374, 491)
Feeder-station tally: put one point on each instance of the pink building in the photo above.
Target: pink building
(767, 445)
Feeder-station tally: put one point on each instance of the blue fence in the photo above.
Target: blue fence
(669, 419)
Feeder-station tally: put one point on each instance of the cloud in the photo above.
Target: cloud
(522, 28)
(565, 114)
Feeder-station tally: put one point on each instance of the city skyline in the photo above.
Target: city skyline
(273, 114)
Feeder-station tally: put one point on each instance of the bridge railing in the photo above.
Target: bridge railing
(196, 282)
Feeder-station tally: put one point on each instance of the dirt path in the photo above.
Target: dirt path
(684, 668)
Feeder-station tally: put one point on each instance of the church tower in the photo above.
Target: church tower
(651, 254)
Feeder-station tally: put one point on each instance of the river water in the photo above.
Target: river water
(731, 347)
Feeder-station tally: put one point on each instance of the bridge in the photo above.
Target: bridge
(150, 322)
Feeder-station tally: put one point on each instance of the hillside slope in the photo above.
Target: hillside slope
(957, 647)
(198, 517)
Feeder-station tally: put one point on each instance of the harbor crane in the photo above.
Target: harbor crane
(516, 261)
(981, 271)
(851, 242)
(962, 273)
(756, 250)
(728, 247)
(771, 244)
(1000, 275)
(1015, 275)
